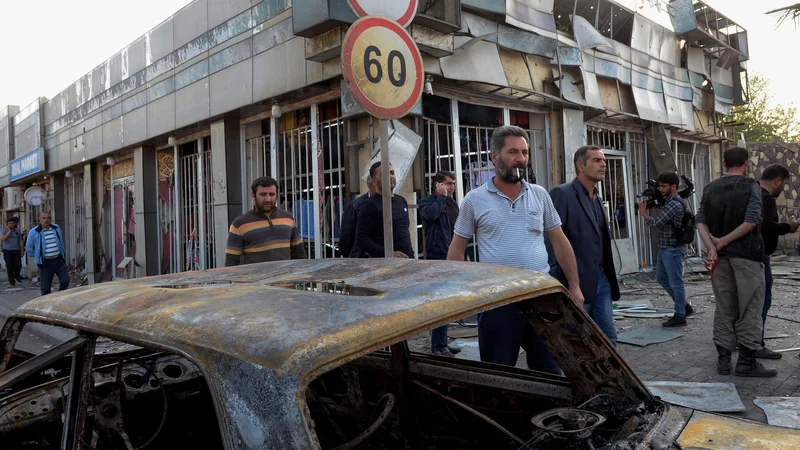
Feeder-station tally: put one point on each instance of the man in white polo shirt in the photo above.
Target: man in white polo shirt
(46, 244)
(509, 219)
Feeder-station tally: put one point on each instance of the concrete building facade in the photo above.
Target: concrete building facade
(150, 155)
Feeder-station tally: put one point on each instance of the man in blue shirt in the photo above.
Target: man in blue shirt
(46, 244)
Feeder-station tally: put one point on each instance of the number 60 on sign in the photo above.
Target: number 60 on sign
(382, 67)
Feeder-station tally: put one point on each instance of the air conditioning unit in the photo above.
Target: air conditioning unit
(12, 198)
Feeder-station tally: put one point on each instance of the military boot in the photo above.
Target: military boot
(748, 366)
(723, 361)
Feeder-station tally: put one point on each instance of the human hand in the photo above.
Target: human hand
(441, 189)
(642, 207)
(711, 259)
(719, 244)
(793, 227)
(399, 254)
(577, 295)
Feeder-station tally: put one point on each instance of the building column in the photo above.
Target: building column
(144, 206)
(58, 190)
(226, 171)
(88, 204)
(574, 138)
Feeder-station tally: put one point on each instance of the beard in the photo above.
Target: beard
(508, 174)
(266, 209)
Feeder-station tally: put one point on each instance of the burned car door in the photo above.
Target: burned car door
(91, 392)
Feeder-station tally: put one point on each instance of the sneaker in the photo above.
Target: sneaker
(444, 352)
(765, 353)
(19, 279)
(454, 350)
(11, 283)
(689, 310)
(674, 321)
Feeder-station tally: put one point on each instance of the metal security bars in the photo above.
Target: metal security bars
(332, 183)
(195, 213)
(296, 192)
(167, 213)
(639, 175)
(75, 233)
(255, 164)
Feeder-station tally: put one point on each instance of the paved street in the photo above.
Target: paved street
(693, 356)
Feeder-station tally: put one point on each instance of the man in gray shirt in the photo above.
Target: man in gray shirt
(11, 240)
(729, 222)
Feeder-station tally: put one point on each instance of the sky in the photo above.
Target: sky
(49, 44)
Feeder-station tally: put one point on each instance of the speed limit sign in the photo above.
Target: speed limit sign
(382, 67)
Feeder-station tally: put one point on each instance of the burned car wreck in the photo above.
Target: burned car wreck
(314, 354)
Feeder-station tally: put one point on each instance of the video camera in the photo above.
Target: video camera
(654, 197)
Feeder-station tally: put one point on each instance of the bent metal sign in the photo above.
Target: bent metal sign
(27, 165)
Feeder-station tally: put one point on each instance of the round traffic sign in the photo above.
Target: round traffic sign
(401, 11)
(382, 67)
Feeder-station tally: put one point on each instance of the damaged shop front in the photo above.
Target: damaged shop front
(173, 140)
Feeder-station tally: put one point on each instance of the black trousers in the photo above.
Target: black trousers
(13, 264)
(51, 268)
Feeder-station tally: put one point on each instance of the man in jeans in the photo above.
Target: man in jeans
(772, 182)
(46, 244)
(729, 222)
(439, 212)
(12, 250)
(669, 268)
(584, 222)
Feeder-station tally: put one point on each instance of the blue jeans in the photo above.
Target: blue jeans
(502, 331)
(439, 338)
(601, 310)
(51, 268)
(767, 296)
(669, 274)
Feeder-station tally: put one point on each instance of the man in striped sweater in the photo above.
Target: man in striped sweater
(265, 233)
(46, 244)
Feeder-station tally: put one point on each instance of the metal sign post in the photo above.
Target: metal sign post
(386, 187)
(382, 67)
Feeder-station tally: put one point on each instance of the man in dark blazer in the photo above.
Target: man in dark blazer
(584, 222)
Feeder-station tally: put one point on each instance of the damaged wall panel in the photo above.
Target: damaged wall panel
(480, 62)
(525, 42)
(609, 94)
(516, 70)
(522, 14)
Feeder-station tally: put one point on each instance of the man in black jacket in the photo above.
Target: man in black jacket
(729, 222)
(439, 212)
(347, 235)
(772, 182)
(369, 229)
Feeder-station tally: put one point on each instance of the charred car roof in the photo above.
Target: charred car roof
(294, 317)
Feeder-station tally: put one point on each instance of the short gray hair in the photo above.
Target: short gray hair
(581, 155)
(499, 135)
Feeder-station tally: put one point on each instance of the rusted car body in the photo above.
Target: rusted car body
(314, 354)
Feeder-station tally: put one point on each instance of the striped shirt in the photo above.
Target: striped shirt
(254, 237)
(50, 244)
(509, 232)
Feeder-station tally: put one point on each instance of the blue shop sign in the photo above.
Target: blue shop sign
(27, 165)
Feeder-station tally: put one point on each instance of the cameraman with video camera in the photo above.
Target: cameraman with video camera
(669, 268)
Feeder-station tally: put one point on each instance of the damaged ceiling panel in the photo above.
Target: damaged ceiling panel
(431, 65)
(646, 36)
(589, 38)
(591, 89)
(670, 49)
(525, 42)
(480, 62)
(569, 90)
(516, 70)
(476, 25)
(722, 81)
(650, 105)
(523, 14)
(696, 61)
(567, 56)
